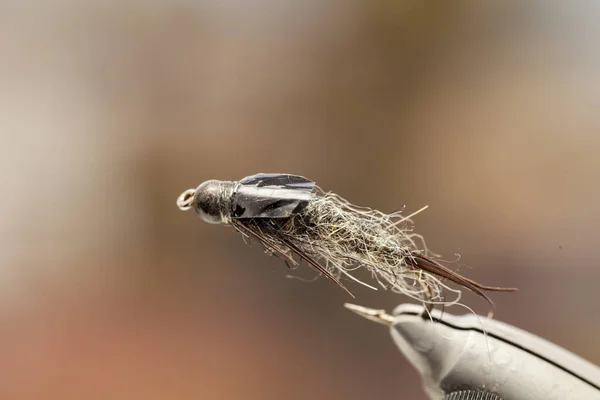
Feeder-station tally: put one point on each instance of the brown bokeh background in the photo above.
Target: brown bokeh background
(487, 112)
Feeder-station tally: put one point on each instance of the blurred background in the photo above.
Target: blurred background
(485, 111)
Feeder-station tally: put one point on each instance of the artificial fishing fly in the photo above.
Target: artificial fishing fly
(293, 218)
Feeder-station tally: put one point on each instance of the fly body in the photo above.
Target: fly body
(294, 219)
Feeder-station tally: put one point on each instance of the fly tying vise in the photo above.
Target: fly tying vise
(294, 219)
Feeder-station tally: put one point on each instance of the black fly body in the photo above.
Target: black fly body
(294, 219)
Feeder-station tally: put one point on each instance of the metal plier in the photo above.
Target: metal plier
(470, 357)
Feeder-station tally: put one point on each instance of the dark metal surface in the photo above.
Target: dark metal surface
(471, 395)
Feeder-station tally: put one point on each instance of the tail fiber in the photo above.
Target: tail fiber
(433, 267)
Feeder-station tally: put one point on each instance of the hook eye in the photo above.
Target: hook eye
(186, 199)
